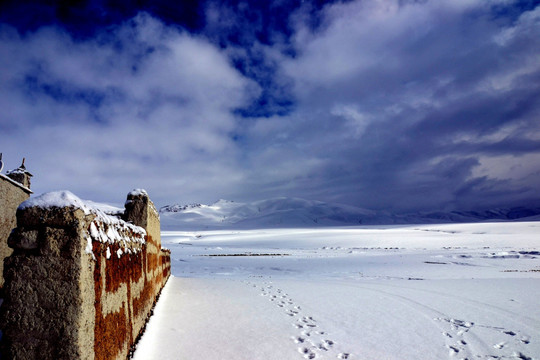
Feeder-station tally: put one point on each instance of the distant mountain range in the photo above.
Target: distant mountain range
(294, 212)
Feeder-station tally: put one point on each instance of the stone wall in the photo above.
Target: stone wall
(11, 195)
(81, 284)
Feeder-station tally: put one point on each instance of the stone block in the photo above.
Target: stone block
(23, 240)
(137, 208)
(35, 217)
(58, 242)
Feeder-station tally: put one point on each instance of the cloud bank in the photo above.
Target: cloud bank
(145, 106)
(396, 105)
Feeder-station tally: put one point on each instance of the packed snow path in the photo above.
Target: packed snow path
(424, 292)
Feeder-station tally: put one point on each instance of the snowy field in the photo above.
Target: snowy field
(453, 291)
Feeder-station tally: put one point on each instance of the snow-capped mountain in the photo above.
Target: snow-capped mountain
(286, 212)
(295, 212)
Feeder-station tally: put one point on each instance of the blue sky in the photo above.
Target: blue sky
(390, 105)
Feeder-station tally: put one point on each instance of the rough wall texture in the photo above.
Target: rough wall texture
(79, 284)
(11, 195)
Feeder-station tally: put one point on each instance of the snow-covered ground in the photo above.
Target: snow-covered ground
(453, 291)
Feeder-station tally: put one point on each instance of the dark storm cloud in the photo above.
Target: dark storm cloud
(398, 105)
(389, 93)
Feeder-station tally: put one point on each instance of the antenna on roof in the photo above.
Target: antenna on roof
(1, 163)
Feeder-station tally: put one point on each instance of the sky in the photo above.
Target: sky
(398, 105)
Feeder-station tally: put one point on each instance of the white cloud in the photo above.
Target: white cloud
(162, 109)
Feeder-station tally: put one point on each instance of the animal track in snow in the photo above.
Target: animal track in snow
(312, 342)
(308, 354)
(298, 339)
(460, 329)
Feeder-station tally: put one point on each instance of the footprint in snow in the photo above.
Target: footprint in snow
(460, 328)
(453, 349)
(314, 342)
(308, 354)
(325, 345)
(457, 329)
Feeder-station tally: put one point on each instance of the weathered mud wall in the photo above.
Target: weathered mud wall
(80, 284)
(11, 195)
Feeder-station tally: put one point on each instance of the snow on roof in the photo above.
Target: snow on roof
(18, 171)
(16, 183)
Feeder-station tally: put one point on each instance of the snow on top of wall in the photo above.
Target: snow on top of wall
(107, 228)
(58, 199)
(136, 192)
(113, 230)
(106, 208)
(104, 228)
